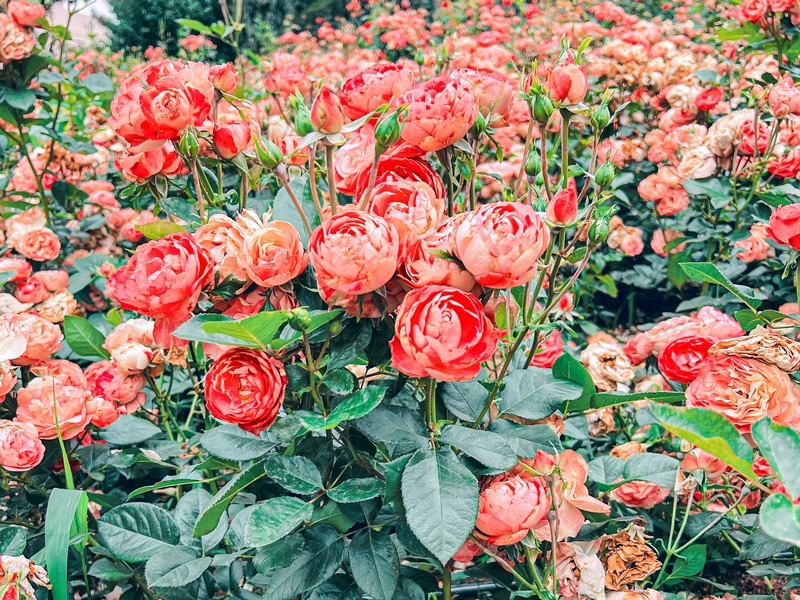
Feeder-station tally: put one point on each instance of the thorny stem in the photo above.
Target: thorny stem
(201, 209)
(331, 178)
(312, 179)
(373, 174)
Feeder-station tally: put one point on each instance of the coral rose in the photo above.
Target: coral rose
(132, 331)
(745, 390)
(44, 397)
(640, 494)
(682, 359)
(20, 447)
(273, 255)
(493, 92)
(568, 84)
(411, 206)
(106, 381)
(442, 332)
(327, 115)
(231, 138)
(33, 291)
(25, 14)
(39, 245)
(53, 280)
(16, 42)
(21, 269)
(501, 243)
(440, 112)
(163, 280)
(510, 506)
(784, 226)
(246, 387)
(373, 87)
(354, 252)
(42, 338)
(163, 160)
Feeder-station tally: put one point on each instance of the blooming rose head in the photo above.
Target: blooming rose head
(44, 397)
(125, 391)
(132, 331)
(640, 494)
(568, 84)
(411, 206)
(231, 138)
(224, 77)
(745, 390)
(20, 447)
(33, 291)
(442, 332)
(708, 99)
(354, 252)
(39, 245)
(440, 112)
(16, 41)
(373, 87)
(53, 280)
(327, 115)
(246, 387)
(510, 506)
(493, 92)
(42, 338)
(163, 160)
(274, 254)
(25, 14)
(638, 348)
(501, 243)
(784, 226)
(163, 280)
(425, 264)
(682, 358)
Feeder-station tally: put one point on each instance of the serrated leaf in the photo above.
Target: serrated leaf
(780, 445)
(84, 338)
(176, 567)
(527, 440)
(655, 468)
(135, 531)
(375, 563)
(536, 394)
(274, 519)
(209, 518)
(294, 473)
(357, 490)
(706, 272)
(759, 546)
(486, 447)
(465, 399)
(605, 469)
(129, 431)
(233, 443)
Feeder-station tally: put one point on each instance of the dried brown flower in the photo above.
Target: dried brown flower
(627, 557)
(763, 345)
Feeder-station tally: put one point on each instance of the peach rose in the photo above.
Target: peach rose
(380, 84)
(411, 206)
(224, 239)
(53, 280)
(163, 280)
(231, 138)
(69, 372)
(39, 245)
(273, 255)
(57, 306)
(638, 348)
(698, 163)
(442, 332)
(8, 378)
(21, 269)
(425, 265)
(32, 291)
(354, 252)
(246, 387)
(105, 380)
(16, 42)
(25, 14)
(353, 158)
(104, 411)
(42, 338)
(43, 397)
(755, 247)
(132, 359)
(493, 92)
(568, 84)
(698, 459)
(23, 222)
(20, 447)
(133, 331)
(163, 160)
(745, 390)
(640, 494)
(501, 243)
(440, 112)
(784, 226)
(510, 506)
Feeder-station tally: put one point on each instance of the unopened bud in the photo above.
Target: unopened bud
(542, 108)
(299, 319)
(327, 115)
(599, 230)
(601, 117)
(605, 174)
(387, 131)
(188, 145)
(302, 120)
(268, 153)
(533, 164)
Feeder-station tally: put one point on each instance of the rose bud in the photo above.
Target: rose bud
(231, 138)
(601, 117)
(302, 120)
(542, 108)
(533, 164)
(188, 145)
(568, 84)
(563, 208)
(327, 115)
(224, 78)
(784, 225)
(604, 176)
(387, 132)
(682, 358)
(268, 153)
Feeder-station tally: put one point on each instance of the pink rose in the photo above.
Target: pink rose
(640, 494)
(16, 42)
(39, 245)
(510, 506)
(442, 332)
(231, 138)
(440, 112)
(43, 397)
(563, 208)
(638, 348)
(67, 371)
(8, 378)
(784, 226)
(133, 331)
(53, 280)
(224, 77)
(424, 264)
(33, 291)
(501, 243)
(699, 459)
(132, 359)
(327, 115)
(493, 92)
(163, 280)
(20, 447)
(568, 84)
(354, 252)
(105, 380)
(104, 411)
(42, 338)
(22, 269)
(25, 14)
(273, 255)
(411, 206)
(380, 84)
(163, 160)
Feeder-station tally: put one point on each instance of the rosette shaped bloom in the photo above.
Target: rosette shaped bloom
(745, 390)
(246, 387)
(107, 381)
(274, 254)
(42, 338)
(25, 14)
(510, 506)
(163, 160)
(501, 243)
(640, 494)
(427, 261)
(44, 397)
(784, 226)
(20, 447)
(163, 280)
(440, 112)
(411, 206)
(373, 87)
(442, 332)
(39, 245)
(394, 168)
(354, 252)
(682, 359)
(493, 92)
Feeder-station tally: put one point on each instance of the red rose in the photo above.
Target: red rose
(682, 359)
(784, 226)
(246, 387)
(708, 99)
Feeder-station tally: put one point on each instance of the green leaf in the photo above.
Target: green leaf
(84, 338)
(340, 382)
(440, 496)
(194, 25)
(98, 83)
(527, 440)
(780, 445)
(759, 546)
(706, 272)
(356, 406)
(338, 587)
(135, 531)
(709, 431)
(690, 562)
(159, 229)
(106, 569)
(66, 518)
(13, 540)
(605, 469)
(374, 563)
(188, 510)
(357, 490)
(780, 519)
(486, 447)
(718, 191)
(274, 519)
(655, 468)
(605, 399)
(209, 518)
(279, 555)
(129, 431)
(465, 399)
(569, 368)
(536, 394)
(294, 473)
(230, 442)
(252, 332)
(22, 100)
(176, 567)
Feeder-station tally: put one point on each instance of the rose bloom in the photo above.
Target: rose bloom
(745, 390)
(132, 359)
(638, 348)
(224, 77)
(440, 112)
(16, 42)
(133, 331)
(21, 223)
(68, 372)
(42, 337)
(675, 201)
(32, 291)
(682, 359)
(353, 158)
(784, 97)
(394, 168)
(105, 380)
(39, 245)
(224, 239)
(231, 138)
(20, 447)
(662, 237)
(273, 255)
(549, 349)
(163, 280)
(493, 92)
(411, 206)
(163, 160)
(8, 378)
(22, 269)
(380, 84)
(568, 84)
(755, 247)
(53, 280)
(501, 243)
(784, 226)
(354, 252)
(640, 494)
(25, 14)
(246, 387)
(510, 506)
(35, 405)
(442, 332)
(698, 163)
(708, 99)
(57, 306)
(708, 321)
(104, 411)
(752, 10)
(699, 459)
